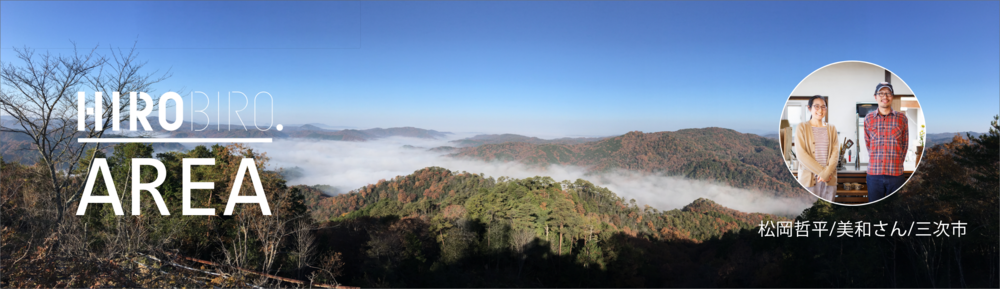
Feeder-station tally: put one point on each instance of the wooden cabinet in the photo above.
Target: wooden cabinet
(845, 196)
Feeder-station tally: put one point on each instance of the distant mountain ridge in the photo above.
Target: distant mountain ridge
(482, 139)
(18, 147)
(309, 127)
(740, 160)
(932, 139)
(309, 131)
(312, 132)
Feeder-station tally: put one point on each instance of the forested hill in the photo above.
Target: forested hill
(723, 155)
(571, 211)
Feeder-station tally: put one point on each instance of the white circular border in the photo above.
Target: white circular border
(916, 167)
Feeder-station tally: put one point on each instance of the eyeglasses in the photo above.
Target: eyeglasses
(884, 94)
(819, 106)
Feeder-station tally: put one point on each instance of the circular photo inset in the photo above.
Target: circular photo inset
(852, 133)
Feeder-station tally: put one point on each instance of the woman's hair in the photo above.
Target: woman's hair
(811, 99)
(814, 98)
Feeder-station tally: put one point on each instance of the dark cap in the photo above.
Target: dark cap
(884, 84)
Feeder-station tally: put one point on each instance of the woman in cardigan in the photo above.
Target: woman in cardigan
(817, 150)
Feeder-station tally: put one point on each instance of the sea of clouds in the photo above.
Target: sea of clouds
(351, 165)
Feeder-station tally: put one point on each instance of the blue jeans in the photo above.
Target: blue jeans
(880, 186)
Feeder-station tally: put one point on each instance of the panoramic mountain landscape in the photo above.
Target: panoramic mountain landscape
(487, 144)
(435, 227)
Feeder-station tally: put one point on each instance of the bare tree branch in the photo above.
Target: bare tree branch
(40, 94)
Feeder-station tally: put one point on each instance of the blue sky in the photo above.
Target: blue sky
(537, 68)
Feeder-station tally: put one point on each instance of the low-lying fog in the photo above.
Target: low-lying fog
(351, 165)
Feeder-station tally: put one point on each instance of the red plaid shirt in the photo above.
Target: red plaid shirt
(886, 138)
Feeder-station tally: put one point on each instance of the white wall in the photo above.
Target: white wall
(846, 84)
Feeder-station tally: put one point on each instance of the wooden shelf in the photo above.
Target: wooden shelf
(851, 196)
(852, 192)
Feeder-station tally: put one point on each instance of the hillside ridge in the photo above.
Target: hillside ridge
(716, 154)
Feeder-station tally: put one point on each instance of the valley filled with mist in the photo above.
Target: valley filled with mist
(349, 165)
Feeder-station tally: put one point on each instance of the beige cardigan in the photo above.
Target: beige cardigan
(805, 147)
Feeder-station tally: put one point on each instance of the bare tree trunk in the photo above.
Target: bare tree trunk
(958, 260)
(560, 240)
(305, 245)
(520, 242)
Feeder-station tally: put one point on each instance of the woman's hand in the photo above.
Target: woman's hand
(821, 179)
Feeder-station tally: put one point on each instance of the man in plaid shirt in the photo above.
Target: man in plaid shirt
(886, 138)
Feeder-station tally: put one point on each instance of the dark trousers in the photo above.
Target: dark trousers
(880, 186)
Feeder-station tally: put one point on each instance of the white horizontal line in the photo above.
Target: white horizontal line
(172, 140)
